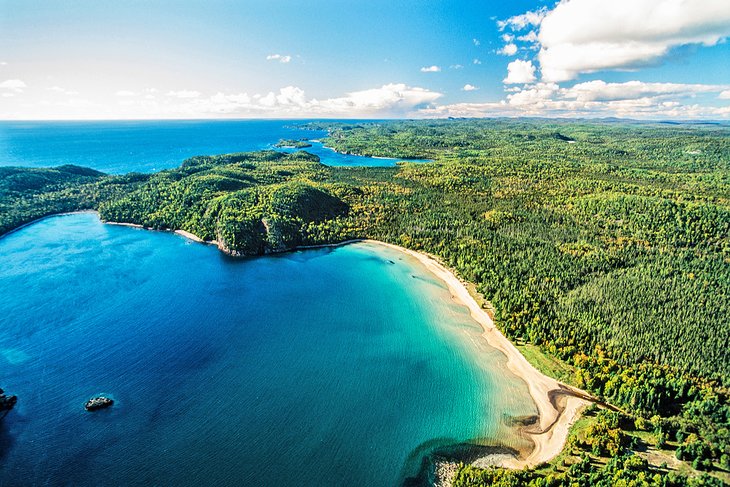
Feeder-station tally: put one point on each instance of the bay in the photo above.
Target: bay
(336, 366)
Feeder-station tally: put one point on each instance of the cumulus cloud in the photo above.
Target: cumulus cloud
(725, 95)
(631, 99)
(476, 42)
(508, 50)
(519, 22)
(519, 71)
(395, 99)
(468, 87)
(15, 85)
(585, 36)
(530, 37)
(598, 94)
(430, 69)
(599, 90)
(476, 61)
(456, 66)
(278, 57)
(184, 94)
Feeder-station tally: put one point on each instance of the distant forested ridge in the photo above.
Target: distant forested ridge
(603, 246)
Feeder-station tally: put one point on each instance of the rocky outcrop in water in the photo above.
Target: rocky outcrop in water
(7, 403)
(100, 402)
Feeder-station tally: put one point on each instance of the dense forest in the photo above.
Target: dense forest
(603, 249)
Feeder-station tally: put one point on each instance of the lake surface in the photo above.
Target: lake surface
(335, 366)
(118, 147)
(331, 157)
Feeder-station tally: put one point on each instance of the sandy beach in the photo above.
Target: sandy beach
(182, 233)
(558, 404)
(132, 225)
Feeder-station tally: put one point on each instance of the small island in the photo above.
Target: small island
(96, 403)
(293, 144)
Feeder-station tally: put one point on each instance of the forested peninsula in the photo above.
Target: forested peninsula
(601, 247)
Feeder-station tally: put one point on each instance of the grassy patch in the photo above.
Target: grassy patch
(548, 365)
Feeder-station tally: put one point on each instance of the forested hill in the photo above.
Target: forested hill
(603, 248)
(250, 204)
(29, 193)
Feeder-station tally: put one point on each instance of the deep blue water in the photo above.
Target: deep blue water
(146, 146)
(319, 367)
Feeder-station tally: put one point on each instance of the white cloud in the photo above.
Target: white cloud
(468, 87)
(430, 69)
(278, 57)
(530, 37)
(519, 71)
(508, 50)
(456, 66)
(507, 38)
(125, 93)
(3, 63)
(395, 99)
(476, 42)
(8, 95)
(184, 94)
(725, 95)
(535, 96)
(632, 99)
(585, 36)
(14, 85)
(398, 98)
(519, 22)
(476, 61)
(599, 90)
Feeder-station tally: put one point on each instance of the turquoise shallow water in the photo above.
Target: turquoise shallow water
(321, 367)
(145, 146)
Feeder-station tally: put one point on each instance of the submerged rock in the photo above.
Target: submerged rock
(100, 402)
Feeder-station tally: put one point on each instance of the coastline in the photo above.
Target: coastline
(32, 222)
(182, 233)
(558, 405)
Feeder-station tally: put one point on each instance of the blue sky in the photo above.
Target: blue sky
(288, 58)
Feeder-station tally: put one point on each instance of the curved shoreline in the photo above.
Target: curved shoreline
(558, 405)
